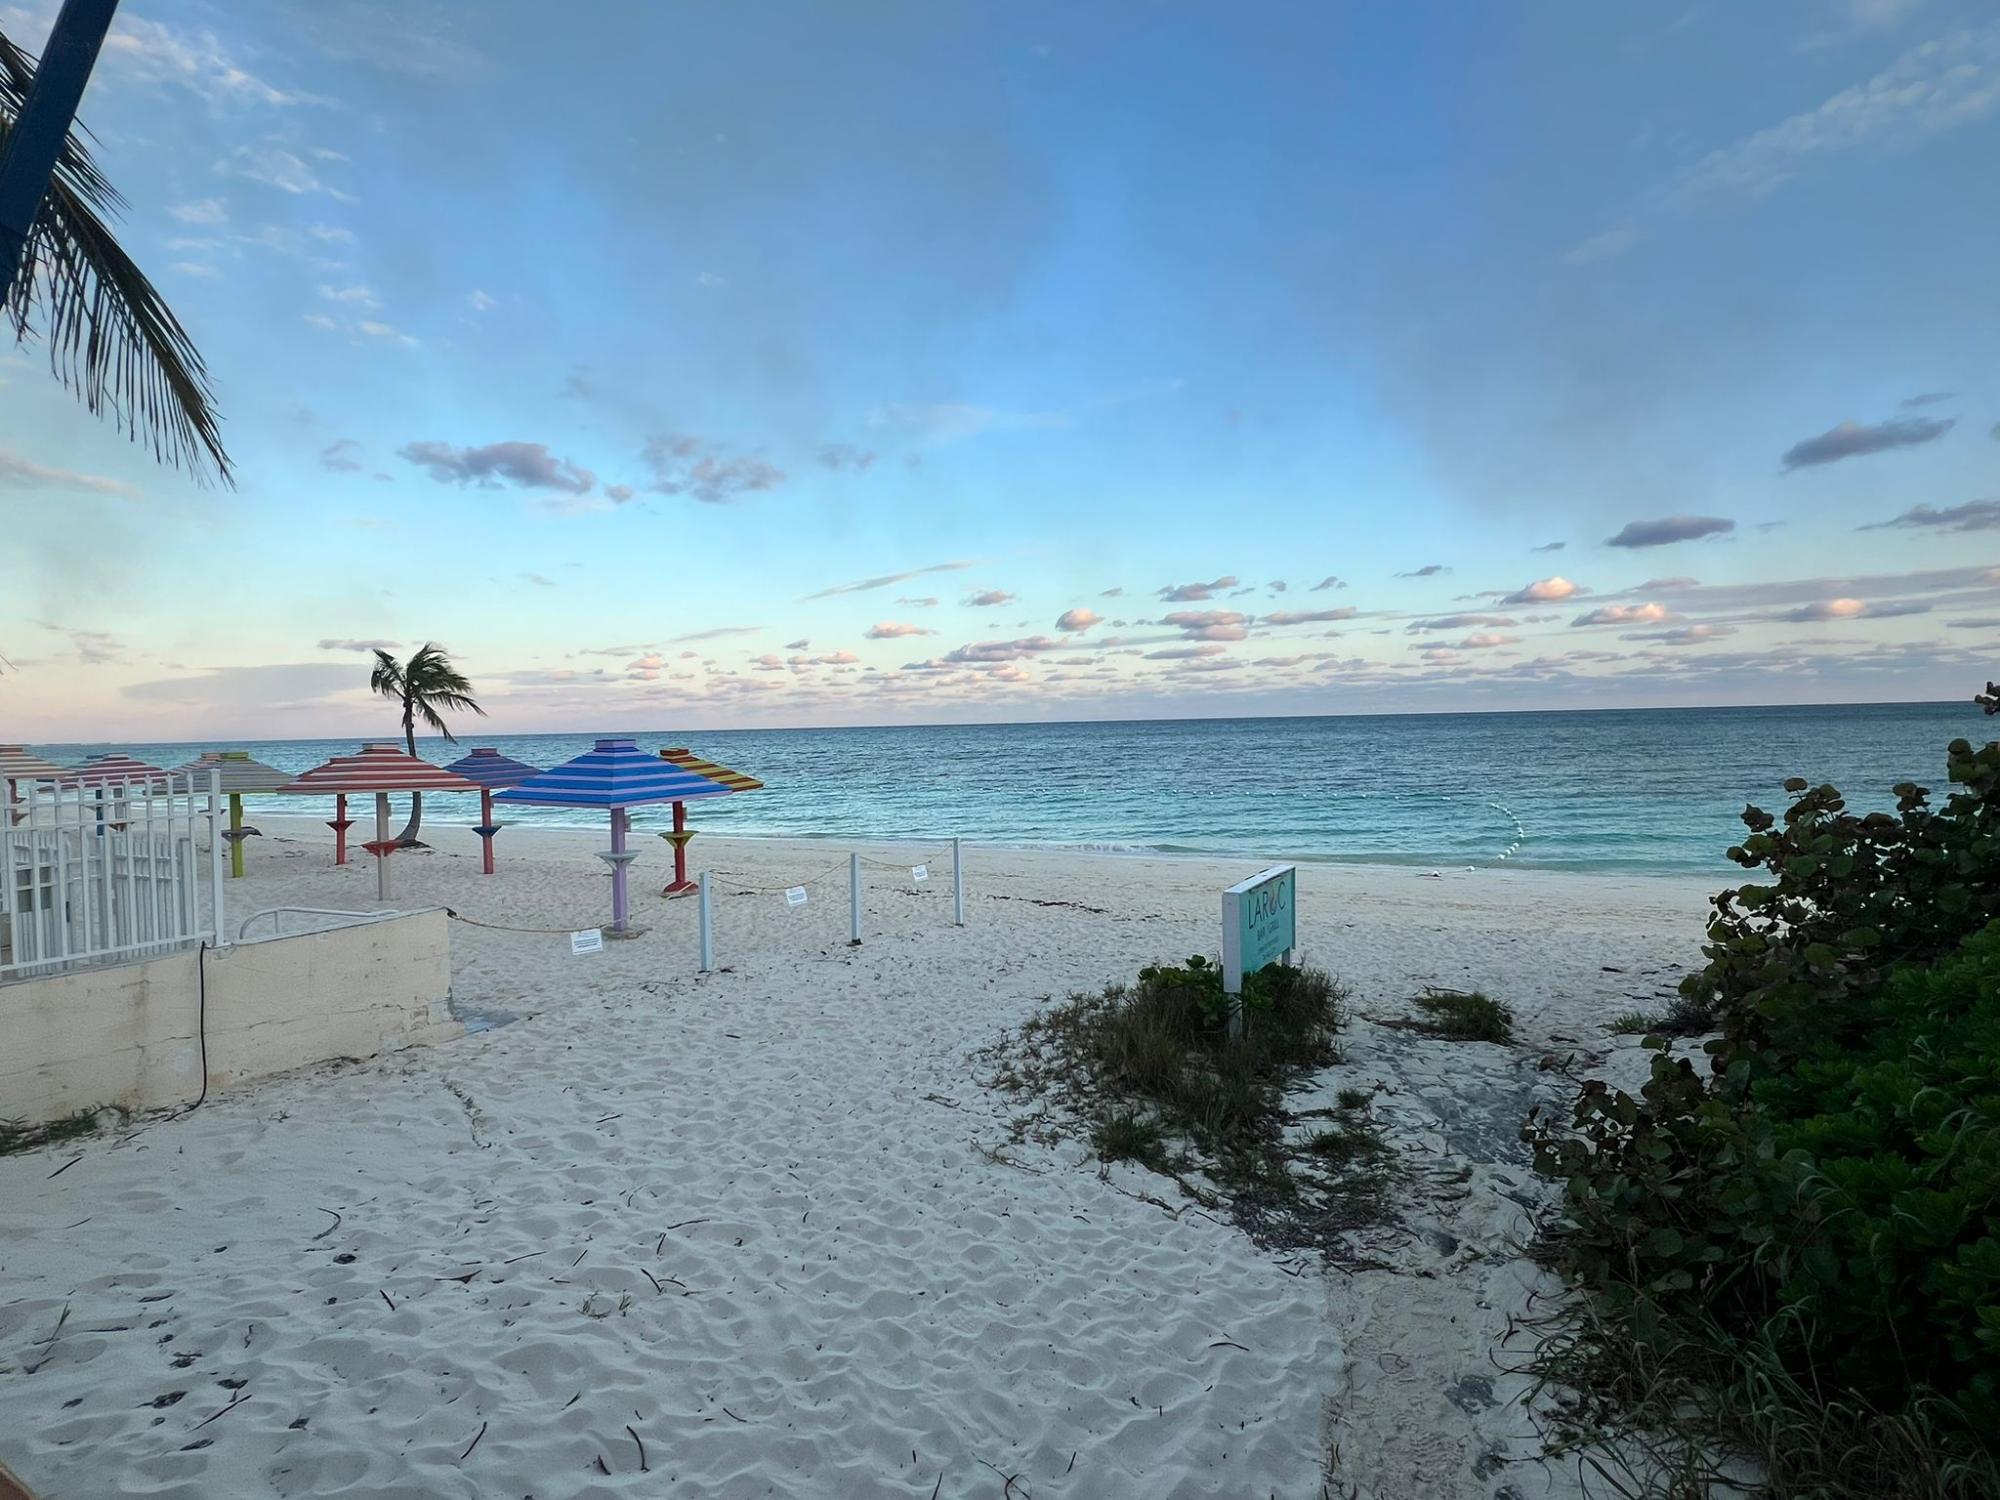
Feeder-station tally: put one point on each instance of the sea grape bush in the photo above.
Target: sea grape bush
(1829, 1184)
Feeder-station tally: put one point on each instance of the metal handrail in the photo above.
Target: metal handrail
(359, 917)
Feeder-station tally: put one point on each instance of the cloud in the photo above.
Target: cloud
(530, 466)
(1309, 616)
(998, 651)
(798, 645)
(1209, 624)
(1328, 582)
(275, 166)
(1668, 530)
(1544, 591)
(1076, 620)
(1684, 635)
(840, 456)
(883, 580)
(1988, 624)
(1549, 547)
(1624, 614)
(480, 301)
(1974, 515)
(684, 465)
(332, 643)
(1926, 398)
(1672, 585)
(1428, 570)
(1117, 593)
(1939, 86)
(1855, 439)
(1184, 653)
(1277, 585)
(387, 332)
(152, 54)
(21, 473)
(1487, 641)
(1460, 622)
(1848, 609)
(352, 296)
(895, 630)
(262, 688)
(1189, 593)
(988, 598)
(338, 456)
(539, 580)
(717, 633)
(924, 601)
(203, 211)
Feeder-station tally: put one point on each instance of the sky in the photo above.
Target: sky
(701, 366)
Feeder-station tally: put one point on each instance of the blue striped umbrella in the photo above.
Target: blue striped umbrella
(616, 775)
(494, 772)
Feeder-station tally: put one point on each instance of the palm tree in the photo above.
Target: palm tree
(425, 685)
(111, 337)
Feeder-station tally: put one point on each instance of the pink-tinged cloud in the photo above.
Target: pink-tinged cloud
(994, 651)
(1078, 619)
(1487, 640)
(1184, 653)
(1684, 635)
(1849, 609)
(1188, 593)
(1309, 616)
(988, 598)
(1624, 614)
(1545, 591)
(1209, 624)
(895, 630)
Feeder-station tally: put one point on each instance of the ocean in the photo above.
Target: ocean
(1642, 790)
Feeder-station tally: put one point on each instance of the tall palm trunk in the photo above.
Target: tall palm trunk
(409, 833)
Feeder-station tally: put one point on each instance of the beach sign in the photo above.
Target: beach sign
(590, 940)
(920, 873)
(796, 896)
(1260, 925)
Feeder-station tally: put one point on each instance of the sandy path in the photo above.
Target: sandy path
(751, 1216)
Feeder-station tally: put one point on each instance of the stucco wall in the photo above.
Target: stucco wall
(127, 1033)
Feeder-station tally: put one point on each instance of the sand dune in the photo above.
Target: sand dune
(753, 1233)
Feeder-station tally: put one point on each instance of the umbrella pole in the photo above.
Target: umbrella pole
(236, 843)
(382, 846)
(340, 824)
(487, 830)
(618, 891)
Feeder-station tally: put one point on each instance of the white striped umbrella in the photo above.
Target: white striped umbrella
(380, 769)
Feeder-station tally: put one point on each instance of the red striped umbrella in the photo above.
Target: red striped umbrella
(17, 764)
(112, 766)
(380, 769)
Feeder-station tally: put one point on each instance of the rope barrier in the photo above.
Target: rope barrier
(774, 890)
(884, 864)
(503, 927)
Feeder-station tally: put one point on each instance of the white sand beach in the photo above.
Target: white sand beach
(760, 1232)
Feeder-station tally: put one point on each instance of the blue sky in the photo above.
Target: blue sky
(698, 366)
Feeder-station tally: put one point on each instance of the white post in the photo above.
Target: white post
(854, 898)
(215, 856)
(706, 924)
(957, 883)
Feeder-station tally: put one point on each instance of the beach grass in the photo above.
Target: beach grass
(18, 1135)
(1459, 1016)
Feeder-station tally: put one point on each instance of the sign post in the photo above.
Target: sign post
(1260, 925)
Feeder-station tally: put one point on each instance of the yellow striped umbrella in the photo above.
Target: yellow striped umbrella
(736, 781)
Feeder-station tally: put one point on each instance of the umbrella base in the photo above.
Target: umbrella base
(680, 888)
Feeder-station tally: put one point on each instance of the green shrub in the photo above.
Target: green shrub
(1462, 1016)
(1826, 1192)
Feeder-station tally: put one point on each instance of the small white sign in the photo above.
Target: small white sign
(796, 896)
(920, 873)
(590, 940)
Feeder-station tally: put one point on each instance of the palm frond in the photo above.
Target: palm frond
(386, 677)
(111, 337)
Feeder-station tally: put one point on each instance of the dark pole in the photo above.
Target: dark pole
(37, 137)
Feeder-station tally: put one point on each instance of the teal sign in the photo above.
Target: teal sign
(1260, 923)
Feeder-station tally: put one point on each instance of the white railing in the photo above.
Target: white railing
(277, 914)
(109, 872)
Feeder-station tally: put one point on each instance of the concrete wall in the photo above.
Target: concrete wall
(127, 1033)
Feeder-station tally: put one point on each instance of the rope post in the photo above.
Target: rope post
(706, 924)
(854, 899)
(957, 883)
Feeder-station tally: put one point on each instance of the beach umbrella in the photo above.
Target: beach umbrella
(680, 833)
(495, 773)
(239, 774)
(616, 775)
(101, 771)
(380, 769)
(17, 764)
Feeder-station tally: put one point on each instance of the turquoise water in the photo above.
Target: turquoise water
(1639, 790)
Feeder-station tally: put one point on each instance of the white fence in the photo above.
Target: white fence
(109, 872)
